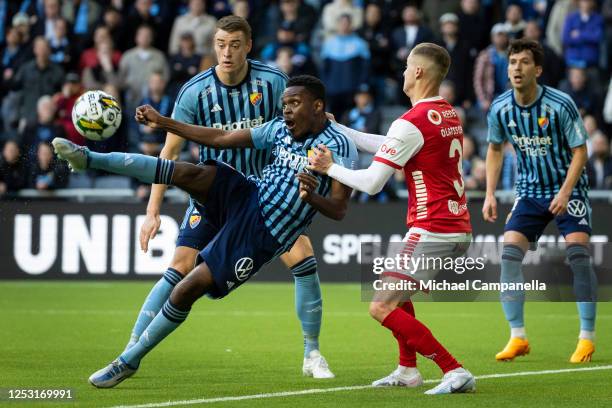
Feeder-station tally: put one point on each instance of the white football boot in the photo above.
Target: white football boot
(401, 377)
(455, 381)
(75, 155)
(112, 374)
(315, 366)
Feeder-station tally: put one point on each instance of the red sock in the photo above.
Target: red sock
(407, 354)
(419, 337)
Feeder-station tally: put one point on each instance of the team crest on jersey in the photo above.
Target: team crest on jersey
(255, 98)
(194, 219)
(543, 122)
(434, 117)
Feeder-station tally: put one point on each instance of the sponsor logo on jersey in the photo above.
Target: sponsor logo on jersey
(286, 158)
(216, 108)
(525, 114)
(434, 117)
(449, 113)
(241, 124)
(194, 220)
(230, 284)
(533, 146)
(388, 150)
(455, 208)
(576, 208)
(543, 122)
(243, 268)
(255, 98)
(583, 222)
(512, 123)
(451, 131)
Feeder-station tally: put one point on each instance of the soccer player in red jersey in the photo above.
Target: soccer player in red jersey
(426, 143)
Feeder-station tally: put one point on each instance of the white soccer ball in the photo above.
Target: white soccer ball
(96, 115)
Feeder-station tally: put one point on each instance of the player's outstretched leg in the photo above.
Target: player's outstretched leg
(308, 305)
(406, 373)
(513, 304)
(173, 313)
(585, 290)
(195, 180)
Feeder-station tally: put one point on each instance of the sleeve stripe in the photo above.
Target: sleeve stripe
(568, 108)
(387, 162)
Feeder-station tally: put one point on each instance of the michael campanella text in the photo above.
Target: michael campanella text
(433, 285)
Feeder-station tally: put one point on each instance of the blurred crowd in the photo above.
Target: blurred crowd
(142, 51)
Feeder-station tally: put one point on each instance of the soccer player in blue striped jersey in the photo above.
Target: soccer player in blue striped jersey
(237, 93)
(256, 220)
(545, 129)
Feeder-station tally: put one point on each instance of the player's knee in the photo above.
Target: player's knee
(194, 286)
(380, 310)
(184, 259)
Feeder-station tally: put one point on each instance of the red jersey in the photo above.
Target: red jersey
(427, 143)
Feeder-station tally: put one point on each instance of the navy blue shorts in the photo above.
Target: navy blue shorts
(242, 243)
(530, 216)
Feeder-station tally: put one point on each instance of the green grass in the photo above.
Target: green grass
(54, 335)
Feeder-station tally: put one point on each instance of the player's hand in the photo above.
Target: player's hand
(147, 115)
(489, 209)
(558, 206)
(320, 160)
(308, 184)
(149, 229)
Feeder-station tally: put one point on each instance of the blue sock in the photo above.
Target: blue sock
(154, 302)
(147, 169)
(513, 301)
(308, 303)
(168, 319)
(585, 285)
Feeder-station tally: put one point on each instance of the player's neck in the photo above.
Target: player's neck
(527, 95)
(232, 78)
(423, 92)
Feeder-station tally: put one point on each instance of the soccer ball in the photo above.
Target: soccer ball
(96, 115)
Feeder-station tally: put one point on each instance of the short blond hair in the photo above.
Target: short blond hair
(436, 54)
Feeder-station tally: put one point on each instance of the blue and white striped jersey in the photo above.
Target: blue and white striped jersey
(543, 135)
(285, 214)
(204, 100)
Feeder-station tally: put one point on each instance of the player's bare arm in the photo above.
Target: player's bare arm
(210, 137)
(494, 160)
(558, 205)
(334, 206)
(370, 180)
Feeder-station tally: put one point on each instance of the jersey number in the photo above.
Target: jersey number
(455, 148)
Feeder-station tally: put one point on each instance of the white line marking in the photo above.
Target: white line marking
(347, 388)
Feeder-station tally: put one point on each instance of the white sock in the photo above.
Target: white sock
(518, 332)
(407, 371)
(588, 335)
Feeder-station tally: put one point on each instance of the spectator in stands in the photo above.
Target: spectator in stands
(284, 61)
(83, 15)
(404, 38)
(137, 65)
(461, 69)
(45, 26)
(13, 54)
(241, 8)
(477, 178)
(286, 38)
(61, 47)
(607, 111)
(114, 22)
(90, 57)
(64, 101)
(152, 140)
(584, 93)
(606, 12)
(37, 78)
(554, 66)
(301, 15)
(433, 10)
(22, 23)
(491, 68)
(199, 24)
(47, 173)
(13, 169)
(337, 8)
(515, 25)
(599, 166)
(590, 125)
(44, 130)
(377, 36)
(345, 57)
(185, 64)
(7, 10)
(469, 155)
(556, 21)
(583, 33)
(106, 68)
(449, 93)
(141, 15)
(473, 26)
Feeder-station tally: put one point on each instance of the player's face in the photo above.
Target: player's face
(299, 109)
(231, 50)
(522, 70)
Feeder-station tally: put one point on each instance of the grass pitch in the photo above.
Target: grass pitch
(54, 335)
